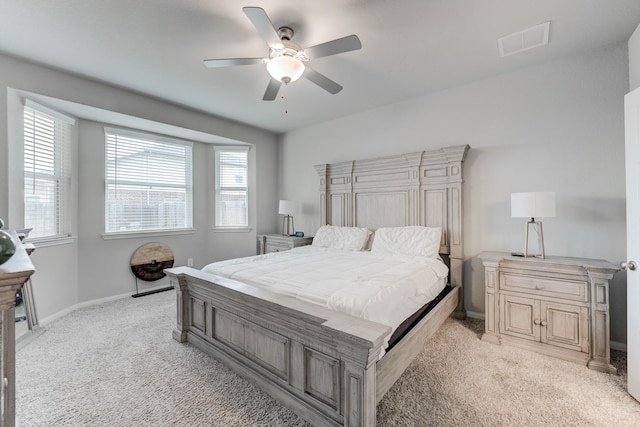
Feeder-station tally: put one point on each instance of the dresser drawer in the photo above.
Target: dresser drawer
(565, 289)
(276, 247)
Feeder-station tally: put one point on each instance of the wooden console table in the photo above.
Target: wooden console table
(557, 306)
(13, 274)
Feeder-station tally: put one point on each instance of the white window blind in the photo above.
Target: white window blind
(47, 173)
(232, 206)
(148, 183)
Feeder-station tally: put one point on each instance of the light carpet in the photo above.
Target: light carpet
(116, 364)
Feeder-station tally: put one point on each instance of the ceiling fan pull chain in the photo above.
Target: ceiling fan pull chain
(283, 96)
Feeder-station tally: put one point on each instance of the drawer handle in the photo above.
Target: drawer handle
(543, 323)
(536, 321)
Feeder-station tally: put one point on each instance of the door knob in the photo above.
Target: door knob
(631, 265)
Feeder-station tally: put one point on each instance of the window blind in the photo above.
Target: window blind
(148, 183)
(47, 173)
(232, 206)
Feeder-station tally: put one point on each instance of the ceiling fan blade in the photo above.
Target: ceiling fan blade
(322, 81)
(263, 24)
(344, 44)
(272, 90)
(231, 62)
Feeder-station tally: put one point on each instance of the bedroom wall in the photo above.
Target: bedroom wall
(554, 127)
(634, 60)
(91, 268)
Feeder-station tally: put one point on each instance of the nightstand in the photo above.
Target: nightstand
(556, 306)
(278, 243)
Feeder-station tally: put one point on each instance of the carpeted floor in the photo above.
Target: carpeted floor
(116, 364)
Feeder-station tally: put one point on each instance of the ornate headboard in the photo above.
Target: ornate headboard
(423, 188)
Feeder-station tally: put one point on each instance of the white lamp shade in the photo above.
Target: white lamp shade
(285, 68)
(533, 205)
(287, 207)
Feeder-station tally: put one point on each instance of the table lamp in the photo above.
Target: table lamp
(287, 208)
(533, 205)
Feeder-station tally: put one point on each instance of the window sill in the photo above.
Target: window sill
(151, 233)
(43, 242)
(232, 229)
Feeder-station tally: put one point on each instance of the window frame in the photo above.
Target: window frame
(62, 175)
(216, 188)
(189, 195)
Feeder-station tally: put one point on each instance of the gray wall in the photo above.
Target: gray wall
(634, 60)
(554, 127)
(90, 267)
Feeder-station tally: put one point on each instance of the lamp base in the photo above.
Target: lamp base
(287, 226)
(537, 228)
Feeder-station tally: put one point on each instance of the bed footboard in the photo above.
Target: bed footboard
(318, 362)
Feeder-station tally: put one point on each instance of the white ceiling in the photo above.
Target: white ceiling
(409, 47)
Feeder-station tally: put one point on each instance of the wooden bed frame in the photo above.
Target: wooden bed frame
(320, 363)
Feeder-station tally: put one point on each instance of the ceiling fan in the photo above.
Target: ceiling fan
(287, 61)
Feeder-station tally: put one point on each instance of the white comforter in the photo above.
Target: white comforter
(382, 288)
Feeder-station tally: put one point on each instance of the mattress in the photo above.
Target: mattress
(382, 288)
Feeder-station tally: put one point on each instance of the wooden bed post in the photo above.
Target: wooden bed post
(455, 278)
(359, 396)
(182, 306)
(443, 170)
(322, 173)
(336, 192)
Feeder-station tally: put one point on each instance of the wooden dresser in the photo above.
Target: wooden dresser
(278, 243)
(13, 274)
(557, 306)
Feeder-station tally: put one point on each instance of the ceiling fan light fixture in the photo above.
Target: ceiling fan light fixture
(285, 68)
(286, 61)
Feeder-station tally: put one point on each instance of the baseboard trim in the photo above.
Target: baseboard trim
(23, 340)
(615, 345)
(84, 304)
(74, 307)
(55, 316)
(475, 315)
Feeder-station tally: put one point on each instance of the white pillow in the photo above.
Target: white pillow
(349, 238)
(411, 240)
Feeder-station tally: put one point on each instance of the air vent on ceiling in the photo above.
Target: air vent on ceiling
(535, 36)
